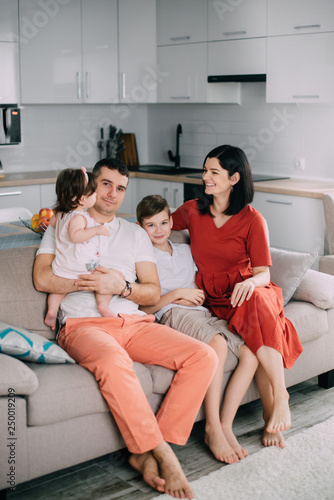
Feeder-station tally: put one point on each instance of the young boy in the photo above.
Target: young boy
(180, 307)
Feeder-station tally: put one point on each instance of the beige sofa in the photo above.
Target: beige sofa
(56, 413)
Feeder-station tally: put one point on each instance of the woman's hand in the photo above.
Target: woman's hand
(189, 297)
(241, 292)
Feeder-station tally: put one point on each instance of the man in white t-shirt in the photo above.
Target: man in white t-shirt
(107, 346)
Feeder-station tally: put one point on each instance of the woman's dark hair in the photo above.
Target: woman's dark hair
(112, 164)
(151, 205)
(233, 160)
(70, 186)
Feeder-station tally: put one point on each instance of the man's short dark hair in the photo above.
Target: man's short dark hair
(112, 164)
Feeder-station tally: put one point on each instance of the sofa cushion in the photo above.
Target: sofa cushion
(16, 378)
(69, 391)
(18, 298)
(288, 269)
(21, 343)
(309, 321)
(317, 288)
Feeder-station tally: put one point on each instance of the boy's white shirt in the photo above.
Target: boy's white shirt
(175, 271)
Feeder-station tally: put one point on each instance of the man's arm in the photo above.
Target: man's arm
(46, 281)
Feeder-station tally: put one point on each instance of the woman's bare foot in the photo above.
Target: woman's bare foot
(105, 311)
(234, 443)
(147, 465)
(50, 319)
(280, 419)
(176, 483)
(220, 447)
(270, 439)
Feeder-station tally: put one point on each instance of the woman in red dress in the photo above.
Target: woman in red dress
(230, 247)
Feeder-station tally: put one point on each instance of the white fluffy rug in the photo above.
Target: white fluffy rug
(303, 470)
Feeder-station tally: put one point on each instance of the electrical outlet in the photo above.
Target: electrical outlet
(299, 163)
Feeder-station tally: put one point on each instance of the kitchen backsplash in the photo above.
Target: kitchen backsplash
(273, 136)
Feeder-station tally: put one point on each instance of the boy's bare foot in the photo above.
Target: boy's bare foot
(105, 311)
(270, 439)
(148, 466)
(234, 443)
(280, 419)
(218, 444)
(176, 483)
(50, 319)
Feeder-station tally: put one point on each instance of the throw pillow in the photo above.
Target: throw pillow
(288, 269)
(29, 346)
(317, 288)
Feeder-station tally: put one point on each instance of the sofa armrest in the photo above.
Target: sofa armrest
(316, 287)
(326, 264)
(16, 377)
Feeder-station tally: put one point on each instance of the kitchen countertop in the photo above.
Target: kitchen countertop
(296, 187)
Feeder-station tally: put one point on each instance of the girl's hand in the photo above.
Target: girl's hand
(241, 292)
(189, 296)
(102, 231)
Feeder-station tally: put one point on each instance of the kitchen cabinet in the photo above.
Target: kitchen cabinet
(237, 57)
(9, 28)
(69, 52)
(9, 81)
(184, 73)
(246, 19)
(48, 195)
(171, 191)
(137, 51)
(181, 21)
(300, 16)
(21, 196)
(300, 68)
(294, 222)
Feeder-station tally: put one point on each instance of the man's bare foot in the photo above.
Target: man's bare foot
(50, 319)
(220, 447)
(280, 419)
(234, 443)
(270, 439)
(176, 482)
(105, 311)
(147, 465)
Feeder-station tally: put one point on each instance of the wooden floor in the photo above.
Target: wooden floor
(110, 477)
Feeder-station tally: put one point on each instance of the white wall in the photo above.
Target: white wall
(272, 135)
(59, 136)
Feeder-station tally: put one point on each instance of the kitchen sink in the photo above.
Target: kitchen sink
(164, 169)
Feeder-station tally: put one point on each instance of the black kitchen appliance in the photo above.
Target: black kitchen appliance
(10, 125)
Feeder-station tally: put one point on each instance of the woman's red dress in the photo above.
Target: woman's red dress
(225, 256)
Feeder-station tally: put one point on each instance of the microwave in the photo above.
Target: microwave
(10, 125)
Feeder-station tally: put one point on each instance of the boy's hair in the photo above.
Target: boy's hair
(151, 205)
(70, 186)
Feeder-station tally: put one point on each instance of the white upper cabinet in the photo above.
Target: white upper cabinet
(181, 21)
(137, 51)
(68, 51)
(9, 81)
(183, 71)
(231, 20)
(9, 27)
(295, 17)
(300, 68)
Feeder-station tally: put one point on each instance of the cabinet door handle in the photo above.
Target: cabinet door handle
(12, 193)
(179, 38)
(78, 85)
(88, 93)
(175, 193)
(307, 26)
(231, 33)
(306, 96)
(280, 202)
(123, 86)
(179, 97)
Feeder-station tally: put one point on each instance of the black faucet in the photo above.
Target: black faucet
(176, 159)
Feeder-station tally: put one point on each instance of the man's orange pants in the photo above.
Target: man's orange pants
(108, 346)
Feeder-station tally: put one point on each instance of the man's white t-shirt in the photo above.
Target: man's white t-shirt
(175, 271)
(127, 245)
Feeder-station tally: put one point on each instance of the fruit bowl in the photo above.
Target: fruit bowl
(32, 229)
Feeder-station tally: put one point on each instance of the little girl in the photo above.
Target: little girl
(77, 248)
